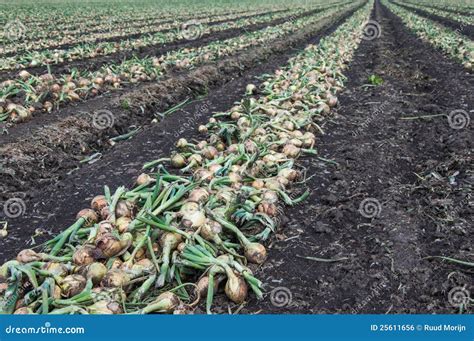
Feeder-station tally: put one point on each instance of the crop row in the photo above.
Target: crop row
(452, 43)
(84, 51)
(28, 93)
(50, 42)
(453, 6)
(465, 19)
(137, 251)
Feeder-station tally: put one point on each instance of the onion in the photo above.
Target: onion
(235, 115)
(235, 288)
(214, 168)
(105, 227)
(28, 255)
(202, 129)
(250, 89)
(209, 152)
(192, 215)
(258, 184)
(24, 74)
(250, 146)
(144, 179)
(104, 307)
(111, 246)
(105, 213)
(332, 101)
(182, 143)
(124, 208)
(167, 302)
(210, 230)
(122, 224)
(203, 175)
(116, 278)
(85, 255)
(178, 161)
(57, 269)
(96, 272)
(89, 215)
(288, 173)
(199, 195)
(255, 253)
(99, 202)
(291, 150)
(268, 208)
(72, 285)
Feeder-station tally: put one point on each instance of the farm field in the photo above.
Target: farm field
(251, 157)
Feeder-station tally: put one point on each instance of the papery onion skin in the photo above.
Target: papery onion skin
(255, 253)
(236, 289)
(72, 285)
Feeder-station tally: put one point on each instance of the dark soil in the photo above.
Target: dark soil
(50, 153)
(467, 30)
(380, 265)
(93, 64)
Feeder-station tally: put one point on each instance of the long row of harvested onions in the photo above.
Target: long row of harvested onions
(174, 240)
(77, 37)
(44, 92)
(167, 34)
(451, 42)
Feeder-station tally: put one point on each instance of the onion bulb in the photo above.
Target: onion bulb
(89, 215)
(167, 302)
(255, 253)
(85, 255)
(99, 202)
(105, 307)
(192, 215)
(72, 285)
(235, 288)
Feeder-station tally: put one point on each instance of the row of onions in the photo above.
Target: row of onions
(461, 18)
(100, 40)
(107, 28)
(450, 42)
(454, 6)
(177, 239)
(166, 33)
(28, 94)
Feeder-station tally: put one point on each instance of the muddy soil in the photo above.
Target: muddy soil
(401, 191)
(93, 64)
(53, 208)
(467, 30)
